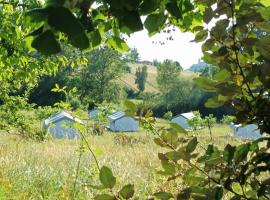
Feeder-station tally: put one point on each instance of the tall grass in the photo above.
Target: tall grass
(32, 170)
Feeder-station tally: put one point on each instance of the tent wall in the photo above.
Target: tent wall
(93, 113)
(63, 129)
(247, 132)
(124, 124)
(182, 121)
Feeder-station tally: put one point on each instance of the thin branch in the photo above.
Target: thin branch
(91, 151)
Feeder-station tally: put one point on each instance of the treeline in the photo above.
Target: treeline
(99, 80)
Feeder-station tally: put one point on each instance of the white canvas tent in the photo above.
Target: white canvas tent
(249, 131)
(62, 126)
(93, 113)
(182, 119)
(119, 122)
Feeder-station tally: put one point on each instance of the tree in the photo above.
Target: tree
(98, 81)
(132, 56)
(141, 76)
(167, 75)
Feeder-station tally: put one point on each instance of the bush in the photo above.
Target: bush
(196, 122)
(168, 115)
(227, 119)
(75, 103)
(123, 139)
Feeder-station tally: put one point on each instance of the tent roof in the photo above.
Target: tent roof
(61, 115)
(116, 115)
(188, 115)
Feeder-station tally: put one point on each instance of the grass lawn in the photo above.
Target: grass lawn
(46, 170)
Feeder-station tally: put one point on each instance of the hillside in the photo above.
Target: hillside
(151, 84)
(198, 67)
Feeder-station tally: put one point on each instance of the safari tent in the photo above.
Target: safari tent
(182, 119)
(93, 113)
(249, 131)
(119, 122)
(62, 126)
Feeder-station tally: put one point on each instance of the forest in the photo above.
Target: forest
(69, 60)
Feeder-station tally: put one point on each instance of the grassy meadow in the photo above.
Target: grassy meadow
(47, 170)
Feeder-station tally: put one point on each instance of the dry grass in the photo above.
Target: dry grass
(31, 170)
(151, 83)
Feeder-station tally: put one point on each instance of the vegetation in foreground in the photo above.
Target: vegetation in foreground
(47, 170)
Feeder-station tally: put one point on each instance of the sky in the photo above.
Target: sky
(180, 49)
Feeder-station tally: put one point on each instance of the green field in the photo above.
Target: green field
(47, 170)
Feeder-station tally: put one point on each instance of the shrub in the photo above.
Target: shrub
(168, 115)
(196, 122)
(227, 119)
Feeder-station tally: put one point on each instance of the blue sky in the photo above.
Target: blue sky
(179, 49)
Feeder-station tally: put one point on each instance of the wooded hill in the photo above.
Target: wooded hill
(151, 85)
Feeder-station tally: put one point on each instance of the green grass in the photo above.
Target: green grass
(46, 170)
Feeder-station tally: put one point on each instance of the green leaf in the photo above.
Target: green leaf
(173, 155)
(174, 10)
(218, 193)
(265, 2)
(155, 22)
(55, 2)
(222, 76)
(132, 21)
(177, 127)
(263, 46)
(211, 152)
(209, 44)
(170, 137)
(163, 195)
(228, 153)
(63, 20)
(208, 15)
(205, 83)
(46, 43)
(131, 107)
(106, 177)
(200, 190)
(127, 191)
(201, 36)
(149, 6)
(241, 153)
(159, 142)
(104, 197)
(95, 39)
(192, 144)
(169, 168)
(214, 102)
(187, 6)
(117, 44)
(37, 15)
(191, 178)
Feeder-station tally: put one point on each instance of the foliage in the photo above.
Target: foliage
(20, 66)
(196, 122)
(71, 21)
(227, 119)
(141, 76)
(132, 56)
(97, 81)
(236, 44)
(167, 76)
(212, 173)
(168, 115)
(19, 118)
